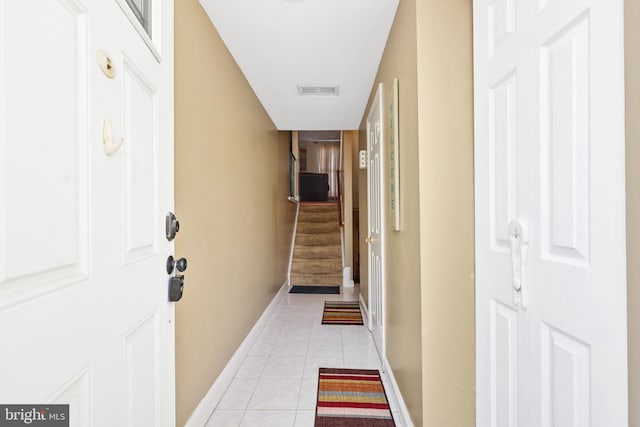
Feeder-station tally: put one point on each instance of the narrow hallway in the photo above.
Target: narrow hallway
(277, 383)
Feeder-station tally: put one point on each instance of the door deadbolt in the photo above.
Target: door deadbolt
(172, 226)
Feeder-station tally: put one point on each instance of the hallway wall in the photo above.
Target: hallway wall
(403, 324)
(445, 103)
(349, 138)
(231, 193)
(430, 314)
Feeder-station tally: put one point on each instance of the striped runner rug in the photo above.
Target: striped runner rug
(341, 313)
(352, 398)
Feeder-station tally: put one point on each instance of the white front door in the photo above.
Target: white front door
(83, 287)
(549, 98)
(375, 138)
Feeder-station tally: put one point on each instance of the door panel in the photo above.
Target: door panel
(565, 144)
(502, 146)
(140, 158)
(504, 364)
(47, 191)
(502, 24)
(565, 370)
(77, 394)
(140, 373)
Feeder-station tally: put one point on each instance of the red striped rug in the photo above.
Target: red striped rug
(341, 313)
(352, 398)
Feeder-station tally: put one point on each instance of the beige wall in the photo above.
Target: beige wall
(402, 325)
(355, 148)
(355, 198)
(632, 70)
(430, 262)
(231, 199)
(348, 139)
(445, 103)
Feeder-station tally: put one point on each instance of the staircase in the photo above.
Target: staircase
(317, 255)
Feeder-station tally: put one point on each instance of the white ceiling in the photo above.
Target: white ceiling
(280, 44)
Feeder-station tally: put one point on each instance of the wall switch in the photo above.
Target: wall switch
(363, 159)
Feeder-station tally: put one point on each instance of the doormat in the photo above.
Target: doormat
(315, 290)
(341, 313)
(352, 397)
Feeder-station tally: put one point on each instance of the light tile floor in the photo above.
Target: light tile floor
(277, 383)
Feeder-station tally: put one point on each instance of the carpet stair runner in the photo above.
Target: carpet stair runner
(317, 254)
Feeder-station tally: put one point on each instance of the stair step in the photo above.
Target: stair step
(316, 279)
(317, 252)
(329, 217)
(328, 207)
(318, 239)
(318, 227)
(325, 266)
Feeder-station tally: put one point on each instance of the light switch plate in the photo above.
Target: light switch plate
(363, 159)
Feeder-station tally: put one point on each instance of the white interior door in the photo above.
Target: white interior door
(375, 138)
(549, 98)
(83, 288)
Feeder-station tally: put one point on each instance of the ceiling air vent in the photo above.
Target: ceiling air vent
(318, 90)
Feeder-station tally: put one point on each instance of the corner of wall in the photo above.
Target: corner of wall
(632, 111)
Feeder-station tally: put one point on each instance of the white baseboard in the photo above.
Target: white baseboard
(402, 410)
(394, 393)
(365, 312)
(206, 406)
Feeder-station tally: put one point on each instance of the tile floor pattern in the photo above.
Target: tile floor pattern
(277, 383)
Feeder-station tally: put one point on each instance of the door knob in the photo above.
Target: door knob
(180, 264)
(368, 240)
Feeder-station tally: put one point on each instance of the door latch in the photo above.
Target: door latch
(519, 242)
(176, 287)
